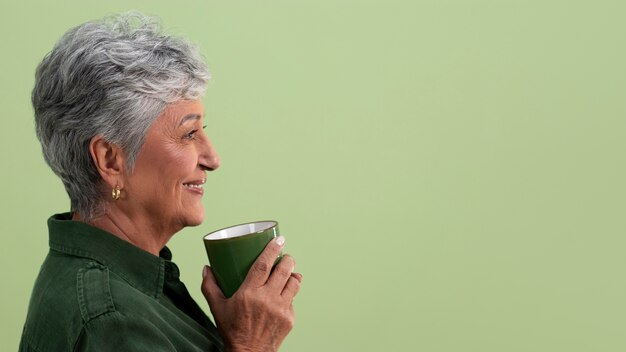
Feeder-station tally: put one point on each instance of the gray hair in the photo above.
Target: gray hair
(111, 77)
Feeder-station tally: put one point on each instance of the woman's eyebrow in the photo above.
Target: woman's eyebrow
(187, 118)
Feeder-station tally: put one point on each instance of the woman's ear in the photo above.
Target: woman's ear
(109, 160)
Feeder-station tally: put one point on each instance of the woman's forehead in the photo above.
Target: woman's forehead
(183, 112)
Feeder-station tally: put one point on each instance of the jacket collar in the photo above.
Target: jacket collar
(139, 268)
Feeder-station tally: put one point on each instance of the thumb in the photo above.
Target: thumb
(210, 289)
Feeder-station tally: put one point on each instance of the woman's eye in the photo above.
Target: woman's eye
(190, 135)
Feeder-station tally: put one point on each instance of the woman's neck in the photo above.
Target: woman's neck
(142, 234)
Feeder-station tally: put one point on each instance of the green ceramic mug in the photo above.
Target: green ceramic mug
(233, 250)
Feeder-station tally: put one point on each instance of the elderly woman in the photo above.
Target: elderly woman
(118, 115)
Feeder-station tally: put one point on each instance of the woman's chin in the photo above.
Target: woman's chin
(195, 217)
(195, 221)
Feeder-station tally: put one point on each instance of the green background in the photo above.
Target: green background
(449, 174)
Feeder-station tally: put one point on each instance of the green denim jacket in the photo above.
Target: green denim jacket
(96, 292)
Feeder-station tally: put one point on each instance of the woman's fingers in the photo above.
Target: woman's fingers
(292, 287)
(261, 268)
(298, 276)
(210, 289)
(281, 274)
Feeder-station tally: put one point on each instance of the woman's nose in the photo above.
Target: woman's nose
(209, 159)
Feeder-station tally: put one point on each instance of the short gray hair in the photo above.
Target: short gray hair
(111, 77)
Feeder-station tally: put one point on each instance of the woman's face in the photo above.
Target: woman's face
(166, 185)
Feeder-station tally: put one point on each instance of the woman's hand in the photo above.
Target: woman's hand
(260, 314)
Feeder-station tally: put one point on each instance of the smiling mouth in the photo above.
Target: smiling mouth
(195, 185)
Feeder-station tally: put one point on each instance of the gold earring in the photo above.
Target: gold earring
(115, 193)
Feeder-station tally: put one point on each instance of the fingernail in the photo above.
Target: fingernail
(205, 271)
(280, 240)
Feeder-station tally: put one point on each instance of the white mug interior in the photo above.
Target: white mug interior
(240, 230)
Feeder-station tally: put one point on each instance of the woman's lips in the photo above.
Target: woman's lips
(195, 186)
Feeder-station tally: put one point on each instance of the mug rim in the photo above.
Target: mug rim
(274, 224)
